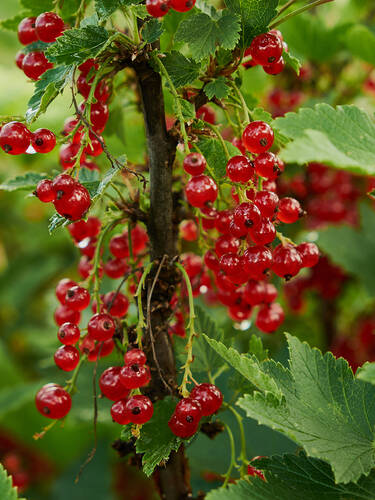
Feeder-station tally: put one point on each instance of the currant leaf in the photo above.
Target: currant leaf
(217, 88)
(256, 348)
(182, 70)
(105, 8)
(213, 150)
(36, 7)
(12, 23)
(203, 34)
(343, 137)
(255, 16)
(187, 108)
(323, 408)
(367, 373)
(55, 222)
(7, 491)
(152, 30)
(25, 182)
(292, 61)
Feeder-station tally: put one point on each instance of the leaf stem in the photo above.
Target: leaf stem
(243, 103)
(299, 11)
(215, 128)
(243, 454)
(286, 6)
(232, 456)
(141, 317)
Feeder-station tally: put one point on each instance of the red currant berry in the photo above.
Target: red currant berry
(188, 410)
(85, 267)
(62, 287)
(209, 397)
(44, 191)
(68, 155)
(240, 169)
(208, 217)
(240, 312)
(275, 68)
(270, 185)
(258, 137)
(15, 138)
(157, 8)
(119, 246)
(266, 49)
(206, 114)
(99, 115)
(192, 264)
(94, 148)
(135, 356)
(85, 229)
(93, 349)
(77, 298)
(68, 334)
(140, 409)
(229, 298)
(119, 413)
(224, 283)
(139, 239)
(270, 293)
(309, 253)
(101, 327)
(67, 358)
(237, 231)
(253, 292)
(111, 386)
(201, 190)
(237, 143)
(26, 31)
(85, 67)
(263, 234)
(256, 261)
(64, 184)
(267, 165)
(246, 216)
(267, 202)
(43, 140)
(116, 304)
(211, 261)
(223, 220)
(280, 36)
(287, 261)
(35, 64)
(53, 401)
(231, 264)
(49, 26)
(269, 317)
(289, 210)
(188, 230)
(181, 428)
(135, 376)
(116, 268)
(182, 5)
(88, 247)
(195, 164)
(20, 56)
(64, 314)
(74, 205)
(226, 244)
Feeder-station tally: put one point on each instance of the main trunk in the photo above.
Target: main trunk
(172, 479)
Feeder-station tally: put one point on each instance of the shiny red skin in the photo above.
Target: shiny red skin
(45, 192)
(62, 287)
(246, 216)
(77, 298)
(135, 376)
(275, 68)
(15, 138)
(289, 210)
(310, 254)
(201, 190)
(194, 164)
(116, 268)
(26, 31)
(157, 8)
(240, 169)
(267, 166)
(206, 114)
(116, 304)
(269, 317)
(226, 244)
(267, 202)
(119, 412)
(188, 230)
(182, 429)
(182, 5)
(211, 261)
(223, 220)
(230, 263)
(111, 386)
(64, 184)
(209, 397)
(85, 228)
(68, 155)
(135, 356)
(266, 48)
(140, 409)
(68, 334)
(66, 358)
(256, 261)
(64, 314)
(188, 410)
(264, 233)
(119, 246)
(101, 327)
(20, 56)
(73, 206)
(53, 401)
(258, 137)
(35, 64)
(287, 261)
(43, 140)
(49, 26)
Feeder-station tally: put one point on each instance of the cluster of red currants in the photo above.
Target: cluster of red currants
(47, 27)
(16, 139)
(242, 255)
(267, 50)
(204, 400)
(159, 8)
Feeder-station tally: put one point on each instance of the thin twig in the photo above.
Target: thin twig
(286, 6)
(299, 11)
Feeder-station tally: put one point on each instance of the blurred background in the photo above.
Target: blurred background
(331, 307)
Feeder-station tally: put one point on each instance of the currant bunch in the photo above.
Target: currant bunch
(16, 139)
(266, 50)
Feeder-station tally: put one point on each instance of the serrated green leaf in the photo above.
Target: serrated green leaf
(7, 492)
(36, 7)
(208, 9)
(13, 22)
(140, 11)
(298, 478)
(25, 182)
(292, 61)
(255, 16)
(78, 44)
(156, 440)
(36, 46)
(217, 88)
(152, 30)
(47, 88)
(367, 373)
(182, 70)
(212, 149)
(187, 108)
(343, 137)
(55, 222)
(248, 366)
(324, 409)
(203, 34)
(108, 176)
(105, 8)
(256, 348)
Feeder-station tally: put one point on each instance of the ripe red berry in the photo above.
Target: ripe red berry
(67, 358)
(270, 317)
(135, 376)
(94, 148)
(188, 410)
(64, 184)
(157, 8)
(96, 349)
(240, 169)
(49, 26)
(44, 191)
(77, 298)
(258, 137)
(226, 244)
(85, 267)
(289, 210)
(116, 304)
(53, 401)
(85, 228)
(181, 428)
(253, 292)
(230, 263)
(62, 287)
(101, 327)
(140, 409)
(206, 114)
(68, 334)
(99, 115)
(188, 230)
(86, 66)
(20, 56)
(26, 31)
(74, 205)
(256, 261)
(135, 356)
(119, 246)
(237, 142)
(64, 314)
(119, 412)
(223, 220)
(267, 202)
(68, 155)
(116, 268)
(35, 64)
(182, 5)
(194, 164)
(246, 216)
(43, 140)
(267, 165)
(209, 397)
(266, 49)
(240, 312)
(275, 68)
(211, 261)
(111, 386)
(310, 254)
(15, 138)
(264, 233)
(201, 190)
(287, 261)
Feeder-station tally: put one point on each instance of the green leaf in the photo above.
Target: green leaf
(212, 149)
(36, 46)
(343, 137)
(255, 16)
(25, 182)
(248, 366)
(298, 478)
(13, 22)
(203, 34)
(7, 492)
(89, 179)
(47, 88)
(367, 373)
(256, 348)
(324, 409)
(105, 8)
(108, 177)
(182, 70)
(353, 249)
(55, 222)
(156, 440)
(207, 9)
(36, 7)
(292, 61)
(361, 43)
(217, 88)
(188, 110)
(77, 45)
(152, 30)
(140, 11)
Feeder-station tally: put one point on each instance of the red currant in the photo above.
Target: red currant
(188, 230)
(53, 401)
(266, 49)
(101, 327)
(94, 148)
(15, 138)
(246, 216)
(209, 397)
(237, 231)
(201, 190)
(157, 8)
(85, 229)
(67, 358)
(258, 137)
(226, 244)
(26, 31)
(135, 376)
(231, 264)
(181, 428)
(119, 246)
(77, 298)
(264, 233)
(287, 261)
(267, 165)
(119, 412)
(20, 56)
(195, 164)
(64, 314)
(35, 64)
(211, 261)
(116, 268)
(206, 114)
(74, 205)
(135, 356)
(182, 5)
(116, 304)
(256, 261)
(240, 169)
(85, 67)
(43, 140)
(68, 334)
(111, 386)
(62, 287)
(276, 67)
(49, 26)
(45, 192)
(64, 184)
(289, 210)
(223, 220)
(188, 410)
(269, 317)
(267, 202)
(309, 253)
(140, 409)
(68, 155)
